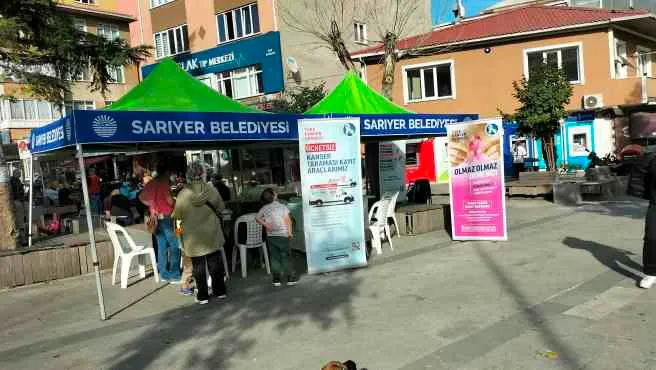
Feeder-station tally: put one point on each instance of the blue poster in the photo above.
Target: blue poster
(331, 182)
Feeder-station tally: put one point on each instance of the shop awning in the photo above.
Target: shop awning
(352, 96)
(168, 88)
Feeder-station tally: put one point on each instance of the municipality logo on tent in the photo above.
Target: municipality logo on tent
(104, 126)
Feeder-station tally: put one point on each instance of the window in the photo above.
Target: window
(108, 31)
(360, 32)
(580, 140)
(117, 74)
(241, 83)
(621, 60)
(84, 74)
(429, 82)
(79, 105)
(238, 23)
(80, 24)
(156, 3)
(644, 62)
(29, 109)
(90, 2)
(108, 103)
(412, 154)
(566, 58)
(172, 41)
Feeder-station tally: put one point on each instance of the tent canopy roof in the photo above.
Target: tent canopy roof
(168, 88)
(352, 96)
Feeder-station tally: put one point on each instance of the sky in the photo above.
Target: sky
(442, 9)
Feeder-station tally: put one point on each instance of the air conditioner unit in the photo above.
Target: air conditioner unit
(593, 101)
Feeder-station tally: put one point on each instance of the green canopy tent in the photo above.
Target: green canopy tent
(352, 96)
(168, 88)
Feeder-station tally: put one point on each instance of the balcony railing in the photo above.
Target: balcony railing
(648, 89)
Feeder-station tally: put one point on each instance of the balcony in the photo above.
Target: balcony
(648, 87)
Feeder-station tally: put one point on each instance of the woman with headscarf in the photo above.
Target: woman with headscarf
(196, 207)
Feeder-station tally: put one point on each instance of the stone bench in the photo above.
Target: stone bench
(420, 218)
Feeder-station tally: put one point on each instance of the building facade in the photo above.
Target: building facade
(469, 67)
(245, 49)
(107, 18)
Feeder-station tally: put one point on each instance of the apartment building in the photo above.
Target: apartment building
(102, 17)
(469, 67)
(244, 48)
(601, 4)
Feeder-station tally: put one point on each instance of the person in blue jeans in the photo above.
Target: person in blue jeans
(157, 196)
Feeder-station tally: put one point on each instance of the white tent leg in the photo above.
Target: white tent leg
(29, 218)
(115, 165)
(92, 238)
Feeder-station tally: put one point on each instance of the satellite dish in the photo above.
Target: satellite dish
(294, 69)
(292, 64)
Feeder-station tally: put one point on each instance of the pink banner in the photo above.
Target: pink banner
(478, 203)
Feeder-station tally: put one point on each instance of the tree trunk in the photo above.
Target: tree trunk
(389, 64)
(339, 47)
(548, 153)
(7, 217)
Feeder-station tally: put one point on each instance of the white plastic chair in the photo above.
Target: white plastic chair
(126, 253)
(378, 223)
(253, 240)
(391, 207)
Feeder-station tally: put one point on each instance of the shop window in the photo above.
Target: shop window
(360, 32)
(412, 154)
(108, 31)
(238, 23)
(429, 82)
(241, 83)
(566, 58)
(172, 41)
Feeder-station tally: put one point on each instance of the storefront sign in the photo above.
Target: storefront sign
(262, 51)
(391, 167)
(53, 136)
(478, 203)
(411, 124)
(107, 126)
(441, 148)
(331, 182)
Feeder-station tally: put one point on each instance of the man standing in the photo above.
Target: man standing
(94, 191)
(157, 197)
(649, 246)
(519, 156)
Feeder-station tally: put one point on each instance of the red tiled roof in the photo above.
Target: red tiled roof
(518, 20)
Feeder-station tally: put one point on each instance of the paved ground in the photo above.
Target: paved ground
(561, 294)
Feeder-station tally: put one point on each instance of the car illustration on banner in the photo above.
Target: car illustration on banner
(332, 193)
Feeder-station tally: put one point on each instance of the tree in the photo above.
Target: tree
(391, 17)
(300, 99)
(542, 100)
(328, 20)
(41, 49)
(324, 20)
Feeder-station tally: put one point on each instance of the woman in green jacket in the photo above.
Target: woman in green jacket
(196, 207)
